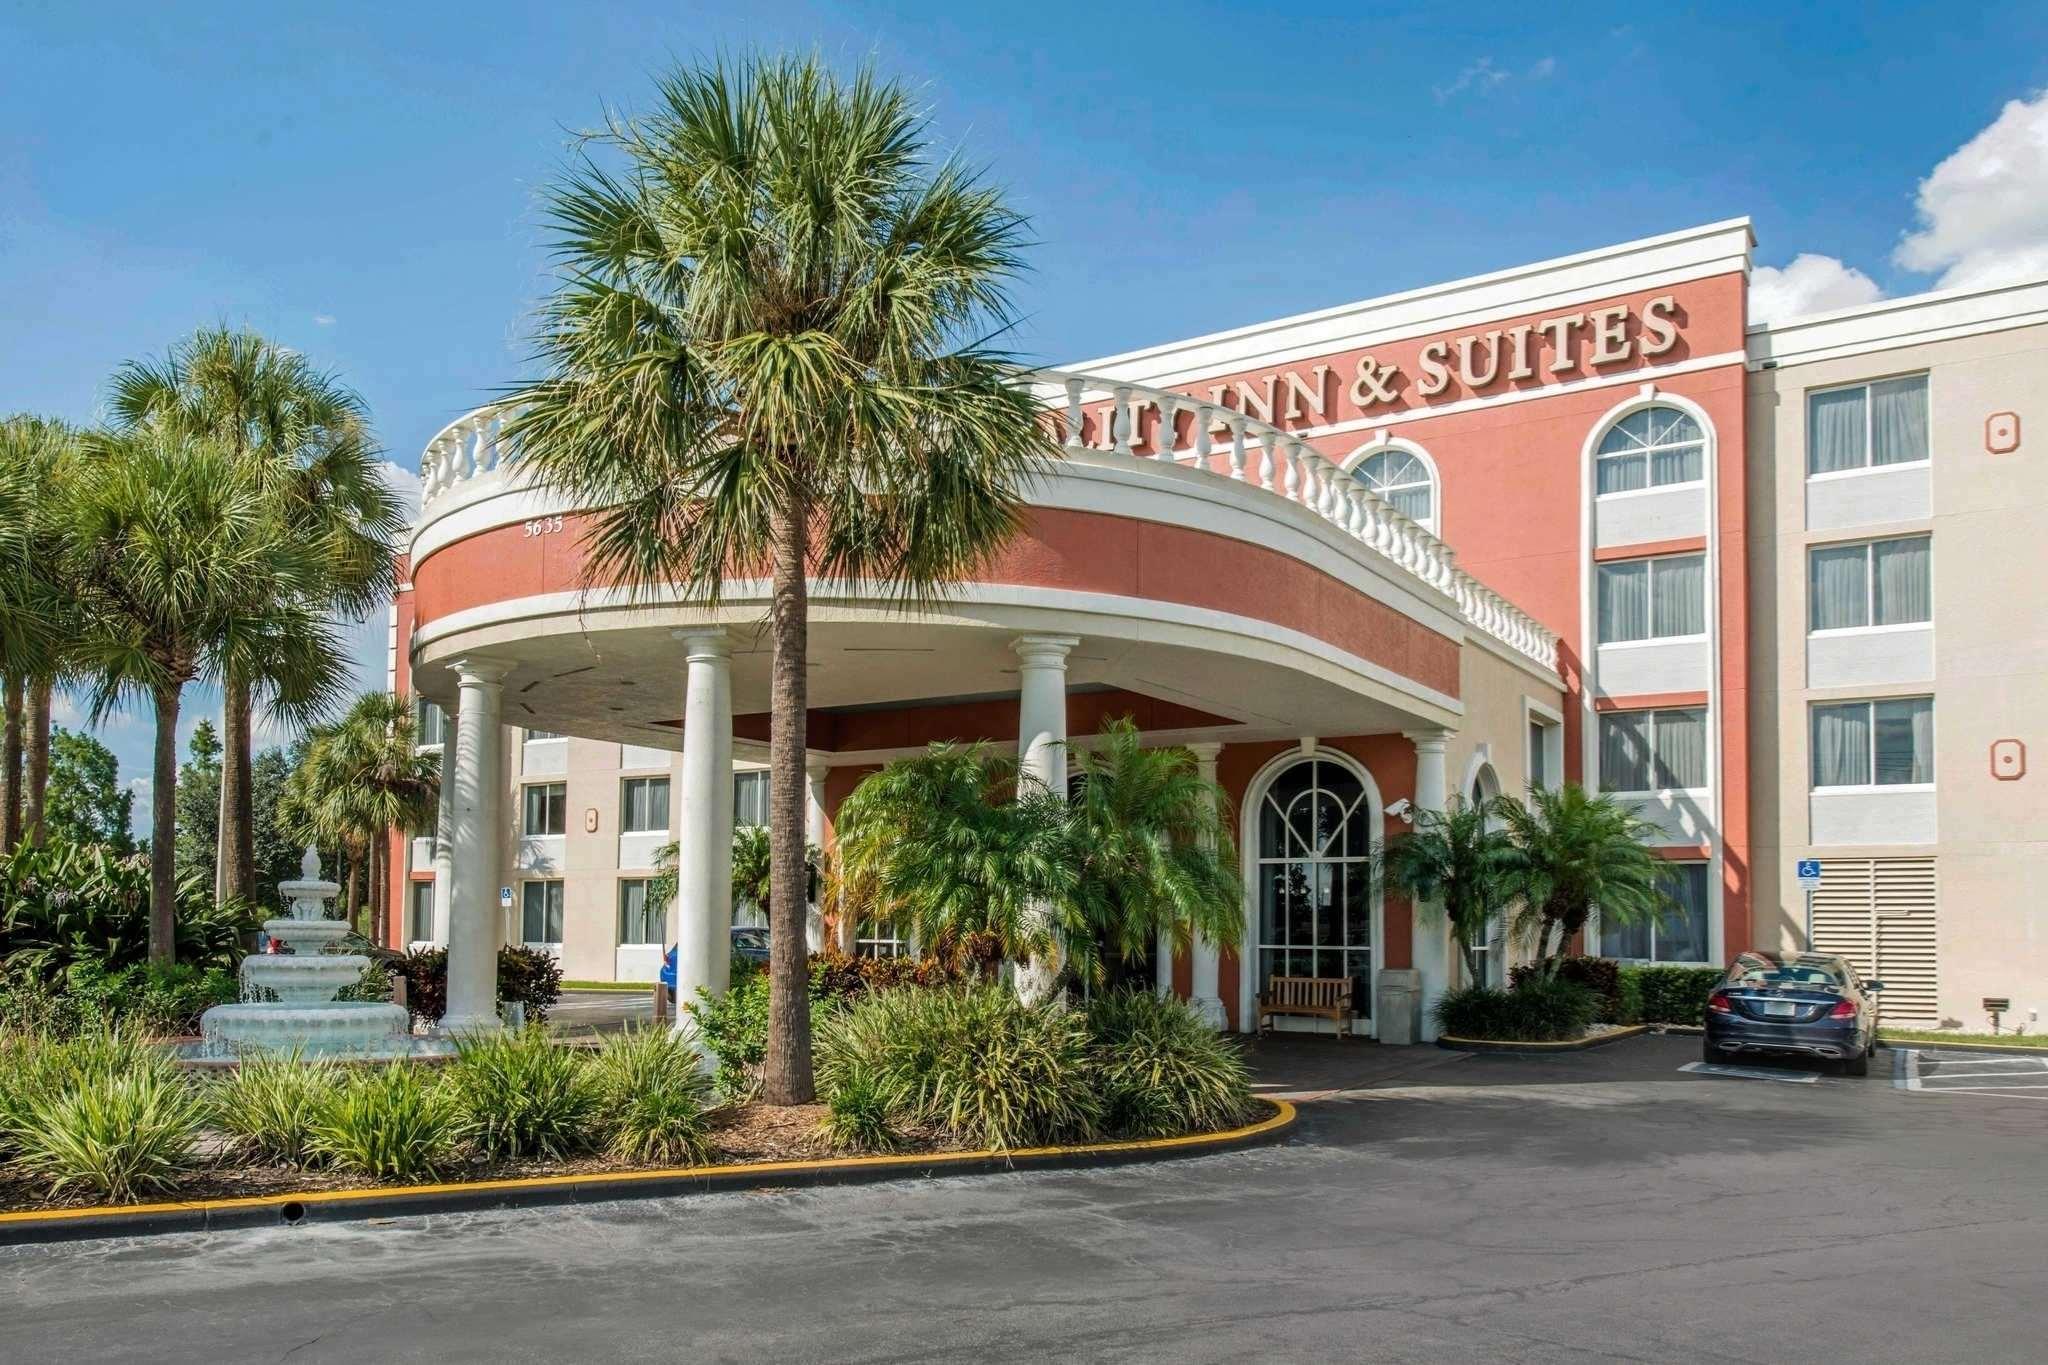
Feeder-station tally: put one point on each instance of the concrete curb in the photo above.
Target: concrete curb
(1541, 1049)
(1929, 1045)
(331, 1206)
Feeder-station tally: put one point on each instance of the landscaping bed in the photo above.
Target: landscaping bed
(107, 1119)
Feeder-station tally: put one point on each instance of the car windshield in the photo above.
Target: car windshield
(1761, 971)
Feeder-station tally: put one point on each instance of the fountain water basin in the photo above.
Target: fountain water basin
(304, 1015)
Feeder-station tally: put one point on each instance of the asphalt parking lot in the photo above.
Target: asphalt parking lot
(1967, 1074)
(1604, 1205)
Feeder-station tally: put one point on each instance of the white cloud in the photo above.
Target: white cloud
(1811, 284)
(1983, 212)
(1481, 77)
(139, 812)
(323, 319)
(1543, 69)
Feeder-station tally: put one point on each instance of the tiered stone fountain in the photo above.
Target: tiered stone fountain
(289, 997)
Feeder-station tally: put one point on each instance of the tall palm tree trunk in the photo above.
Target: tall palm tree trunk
(163, 831)
(786, 1074)
(10, 757)
(379, 900)
(235, 844)
(38, 746)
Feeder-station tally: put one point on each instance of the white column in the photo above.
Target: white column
(1432, 935)
(1203, 987)
(1041, 754)
(814, 835)
(476, 820)
(444, 828)
(704, 861)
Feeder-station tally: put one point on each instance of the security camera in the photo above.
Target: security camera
(1403, 810)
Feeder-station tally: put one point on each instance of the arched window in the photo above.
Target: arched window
(1492, 952)
(1404, 479)
(1314, 877)
(1652, 447)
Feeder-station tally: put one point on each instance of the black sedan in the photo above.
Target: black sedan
(1800, 1004)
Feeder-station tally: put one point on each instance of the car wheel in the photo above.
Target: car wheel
(1710, 1053)
(1859, 1065)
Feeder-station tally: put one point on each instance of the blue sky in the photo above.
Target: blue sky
(362, 181)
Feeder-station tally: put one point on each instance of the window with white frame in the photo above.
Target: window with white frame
(1544, 765)
(1874, 743)
(1867, 426)
(540, 914)
(545, 810)
(640, 919)
(1651, 751)
(1679, 934)
(542, 736)
(430, 724)
(1401, 478)
(1655, 447)
(1652, 599)
(1871, 583)
(749, 799)
(878, 940)
(420, 920)
(643, 805)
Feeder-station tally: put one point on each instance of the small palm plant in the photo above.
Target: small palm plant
(1574, 851)
(767, 358)
(1460, 862)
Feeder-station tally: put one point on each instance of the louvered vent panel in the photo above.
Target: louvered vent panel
(1880, 913)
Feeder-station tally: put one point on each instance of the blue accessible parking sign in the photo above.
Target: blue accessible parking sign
(1809, 872)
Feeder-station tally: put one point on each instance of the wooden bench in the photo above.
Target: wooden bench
(1319, 997)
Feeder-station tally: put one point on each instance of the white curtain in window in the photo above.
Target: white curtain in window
(1619, 473)
(1675, 466)
(1836, 593)
(1681, 740)
(1905, 741)
(1412, 503)
(1678, 588)
(1841, 745)
(1902, 583)
(1624, 602)
(1835, 431)
(1898, 420)
(1625, 751)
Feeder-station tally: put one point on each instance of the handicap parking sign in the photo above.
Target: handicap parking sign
(1809, 872)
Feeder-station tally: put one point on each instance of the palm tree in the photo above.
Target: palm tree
(361, 777)
(941, 845)
(306, 435)
(1459, 860)
(752, 869)
(1151, 845)
(766, 354)
(179, 560)
(1572, 852)
(39, 616)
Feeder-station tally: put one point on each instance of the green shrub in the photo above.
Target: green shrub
(735, 1027)
(63, 903)
(88, 996)
(1674, 995)
(1534, 1012)
(651, 1095)
(269, 1106)
(1600, 975)
(521, 1094)
(973, 1060)
(116, 1135)
(396, 1122)
(857, 1113)
(1161, 1071)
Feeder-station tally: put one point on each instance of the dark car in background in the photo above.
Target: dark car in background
(749, 941)
(1793, 1004)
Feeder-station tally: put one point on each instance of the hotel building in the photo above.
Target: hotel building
(1775, 585)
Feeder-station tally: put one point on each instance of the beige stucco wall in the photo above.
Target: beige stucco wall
(1989, 525)
(1497, 694)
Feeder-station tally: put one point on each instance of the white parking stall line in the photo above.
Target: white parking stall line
(1933, 1071)
(1752, 1073)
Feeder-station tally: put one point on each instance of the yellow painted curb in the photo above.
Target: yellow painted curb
(1571, 1045)
(1283, 1115)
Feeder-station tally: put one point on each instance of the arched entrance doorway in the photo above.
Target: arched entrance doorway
(1484, 786)
(1313, 910)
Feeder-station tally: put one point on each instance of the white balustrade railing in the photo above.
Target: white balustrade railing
(1087, 412)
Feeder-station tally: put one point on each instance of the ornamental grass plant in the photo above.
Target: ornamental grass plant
(270, 1104)
(651, 1097)
(118, 1135)
(397, 1122)
(1160, 1070)
(520, 1094)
